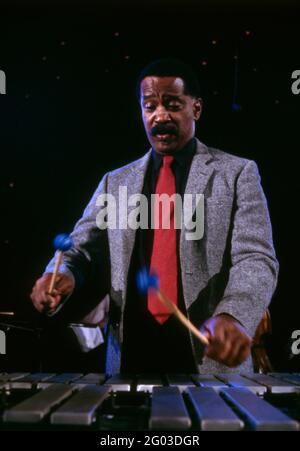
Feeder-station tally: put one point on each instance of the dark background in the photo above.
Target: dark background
(70, 115)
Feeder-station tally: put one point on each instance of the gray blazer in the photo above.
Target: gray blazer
(232, 269)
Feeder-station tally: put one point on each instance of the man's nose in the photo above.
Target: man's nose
(161, 115)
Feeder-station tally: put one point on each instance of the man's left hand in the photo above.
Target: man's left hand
(229, 342)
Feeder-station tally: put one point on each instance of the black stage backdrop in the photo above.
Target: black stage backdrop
(70, 114)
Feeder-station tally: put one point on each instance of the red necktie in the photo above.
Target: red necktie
(164, 253)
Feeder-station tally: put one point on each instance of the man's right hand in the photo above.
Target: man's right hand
(42, 300)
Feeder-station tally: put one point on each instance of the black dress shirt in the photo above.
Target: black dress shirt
(149, 347)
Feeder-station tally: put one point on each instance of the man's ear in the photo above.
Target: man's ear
(197, 107)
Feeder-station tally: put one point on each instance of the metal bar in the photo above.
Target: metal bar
(273, 385)
(291, 378)
(31, 380)
(212, 412)
(120, 382)
(146, 382)
(92, 378)
(168, 410)
(36, 377)
(235, 380)
(80, 409)
(182, 381)
(9, 377)
(208, 380)
(65, 378)
(259, 414)
(34, 409)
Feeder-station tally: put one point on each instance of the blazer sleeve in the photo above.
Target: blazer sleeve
(254, 267)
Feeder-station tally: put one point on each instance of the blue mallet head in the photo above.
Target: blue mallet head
(62, 242)
(146, 281)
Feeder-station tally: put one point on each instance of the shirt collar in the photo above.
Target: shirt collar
(182, 156)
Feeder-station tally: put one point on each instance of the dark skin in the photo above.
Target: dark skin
(168, 112)
(169, 115)
(42, 300)
(229, 342)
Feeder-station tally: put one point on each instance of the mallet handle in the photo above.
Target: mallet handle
(58, 260)
(174, 309)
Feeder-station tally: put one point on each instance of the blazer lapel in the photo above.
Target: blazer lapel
(134, 184)
(199, 172)
(199, 175)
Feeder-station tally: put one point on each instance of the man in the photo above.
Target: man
(223, 281)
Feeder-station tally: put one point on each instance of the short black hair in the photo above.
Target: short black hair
(171, 67)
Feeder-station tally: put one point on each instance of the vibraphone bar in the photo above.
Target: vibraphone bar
(150, 402)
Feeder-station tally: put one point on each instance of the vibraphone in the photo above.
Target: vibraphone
(149, 402)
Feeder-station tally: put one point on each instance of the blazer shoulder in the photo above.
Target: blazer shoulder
(228, 161)
(131, 167)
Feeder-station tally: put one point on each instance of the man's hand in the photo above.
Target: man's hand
(42, 301)
(229, 342)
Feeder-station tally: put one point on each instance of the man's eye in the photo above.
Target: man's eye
(174, 105)
(149, 106)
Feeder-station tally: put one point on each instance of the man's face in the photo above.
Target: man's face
(169, 114)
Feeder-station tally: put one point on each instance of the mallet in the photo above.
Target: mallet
(62, 242)
(149, 281)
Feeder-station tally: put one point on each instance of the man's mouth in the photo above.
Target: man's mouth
(164, 136)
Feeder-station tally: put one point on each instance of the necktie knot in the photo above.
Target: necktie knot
(167, 161)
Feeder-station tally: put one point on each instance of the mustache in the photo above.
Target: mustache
(161, 129)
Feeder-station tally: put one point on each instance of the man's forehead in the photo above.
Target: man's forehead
(154, 85)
